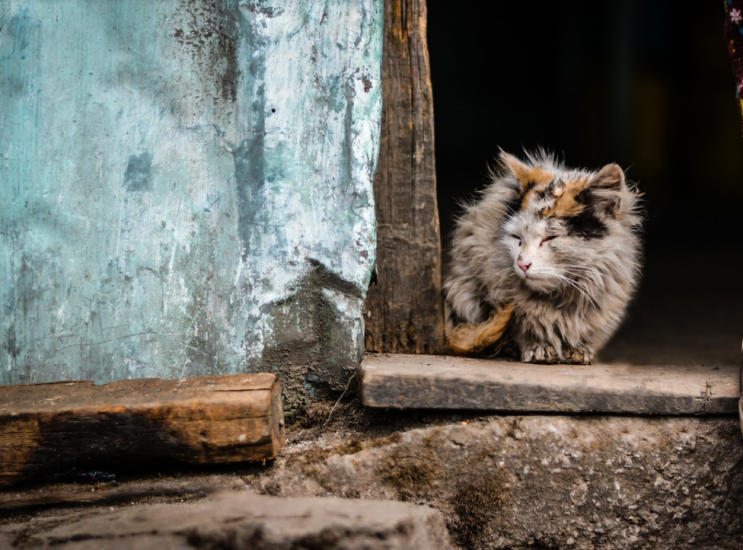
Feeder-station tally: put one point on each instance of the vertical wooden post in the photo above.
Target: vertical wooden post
(404, 309)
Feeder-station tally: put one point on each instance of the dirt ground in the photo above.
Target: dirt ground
(501, 482)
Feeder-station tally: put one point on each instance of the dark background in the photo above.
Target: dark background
(645, 84)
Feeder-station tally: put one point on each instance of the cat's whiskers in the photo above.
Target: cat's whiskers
(587, 282)
(596, 274)
(584, 271)
(580, 288)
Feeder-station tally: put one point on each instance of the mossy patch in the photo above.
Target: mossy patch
(311, 415)
(412, 476)
(383, 441)
(350, 447)
(476, 503)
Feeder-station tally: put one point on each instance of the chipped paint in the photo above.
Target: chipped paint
(186, 189)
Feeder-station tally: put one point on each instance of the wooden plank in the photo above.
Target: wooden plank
(404, 309)
(210, 419)
(441, 382)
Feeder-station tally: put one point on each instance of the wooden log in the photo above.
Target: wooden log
(210, 419)
(439, 382)
(404, 309)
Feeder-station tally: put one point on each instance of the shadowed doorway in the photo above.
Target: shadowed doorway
(647, 85)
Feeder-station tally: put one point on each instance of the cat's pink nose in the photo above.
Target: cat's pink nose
(524, 266)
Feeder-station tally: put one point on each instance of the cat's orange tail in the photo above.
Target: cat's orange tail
(466, 339)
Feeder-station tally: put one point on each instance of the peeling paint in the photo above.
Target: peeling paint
(187, 189)
(137, 175)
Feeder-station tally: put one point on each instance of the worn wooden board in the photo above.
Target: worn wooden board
(404, 309)
(211, 419)
(442, 382)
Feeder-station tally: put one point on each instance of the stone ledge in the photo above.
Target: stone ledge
(547, 482)
(245, 520)
(441, 382)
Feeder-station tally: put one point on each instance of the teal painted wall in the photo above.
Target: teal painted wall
(186, 187)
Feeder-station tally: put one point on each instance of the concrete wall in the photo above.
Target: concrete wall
(186, 187)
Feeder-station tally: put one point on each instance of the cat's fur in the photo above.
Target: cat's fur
(574, 234)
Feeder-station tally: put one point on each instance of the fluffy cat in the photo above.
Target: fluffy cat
(545, 261)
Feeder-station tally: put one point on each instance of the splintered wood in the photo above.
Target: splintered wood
(439, 382)
(211, 419)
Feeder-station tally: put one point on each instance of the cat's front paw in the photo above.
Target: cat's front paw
(539, 354)
(578, 356)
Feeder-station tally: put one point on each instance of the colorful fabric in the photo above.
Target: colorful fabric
(734, 38)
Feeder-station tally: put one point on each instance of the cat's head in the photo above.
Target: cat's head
(562, 224)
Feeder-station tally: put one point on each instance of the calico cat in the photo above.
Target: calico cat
(545, 261)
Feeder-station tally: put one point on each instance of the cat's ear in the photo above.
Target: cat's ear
(527, 175)
(610, 178)
(607, 184)
(516, 167)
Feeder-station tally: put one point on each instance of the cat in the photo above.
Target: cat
(545, 262)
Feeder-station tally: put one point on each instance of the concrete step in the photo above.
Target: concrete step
(573, 482)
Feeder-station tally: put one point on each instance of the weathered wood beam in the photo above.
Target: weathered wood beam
(210, 419)
(404, 310)
(430, 382)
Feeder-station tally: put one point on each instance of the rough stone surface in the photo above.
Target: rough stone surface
(240, 520)
(187, 190)
(501, 482)
(543, 482)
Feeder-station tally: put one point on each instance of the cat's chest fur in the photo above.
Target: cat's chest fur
(559, 245)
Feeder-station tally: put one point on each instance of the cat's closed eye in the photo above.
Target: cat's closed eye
(516, 237)
(551, 237)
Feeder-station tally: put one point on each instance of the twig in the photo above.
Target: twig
(339, 399)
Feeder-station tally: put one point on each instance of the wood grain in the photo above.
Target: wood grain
(210, 419)
(404, 310)
(440, 382)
